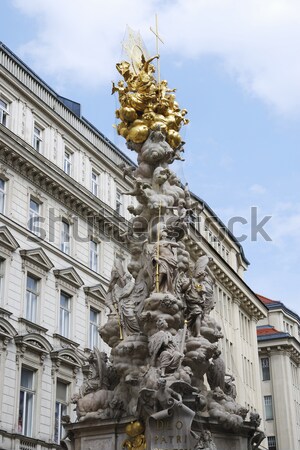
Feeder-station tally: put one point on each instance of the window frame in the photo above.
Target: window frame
(269, 414)
(65, 245)
(119, 203)
(2, 278)
(37, 138)
(273, 444)
(68, 162)
(65, 328)
(95, 182)
(3, 194)
(33, 215)
(93, 334)
(62, 410)
(32, 301)
(94, 256)
(27, 430)
(265, 373)
(4, 111)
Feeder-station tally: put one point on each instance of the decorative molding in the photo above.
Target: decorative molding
(66, 356)
(65, 342)
(37, 258)
(75, 197)
(5, 312)
(7, 240)
(7, 332)
(68, 276)
(34, 343)
(97, 292)
(32, 327)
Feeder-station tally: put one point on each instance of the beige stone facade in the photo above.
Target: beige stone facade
(279, 351)
(62, 210)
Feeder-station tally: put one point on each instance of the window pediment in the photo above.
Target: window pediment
(69, 276)
(37, 257)
(34, 342)
(66, 356)
(97, 292)
(7, 331)
(7, 240)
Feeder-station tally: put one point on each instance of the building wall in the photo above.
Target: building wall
(281, 351)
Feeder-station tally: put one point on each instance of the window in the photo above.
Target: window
(118, 202)
(60, 409)
(93, 256)
(32, 285)
(3, 112)
(37, 138)
(65, 237)
(95, 183)
(34, 216)
(2, 273)
(93, 329)
(265, 367)
(2, 196)
(272, 442)
(268, 407)
(68, 162)
(25, 422)
(64, 314)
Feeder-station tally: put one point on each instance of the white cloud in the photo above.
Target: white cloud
(284, 228)
(257, 189)
(258, 41)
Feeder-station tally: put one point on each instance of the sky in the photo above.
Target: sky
(236, 67)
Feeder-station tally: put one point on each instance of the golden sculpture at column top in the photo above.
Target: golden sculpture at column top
(146, 104)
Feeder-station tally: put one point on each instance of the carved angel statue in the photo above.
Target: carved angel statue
(207, 280)
(116, 279)
(120, 300)
(126, 306)
(165, 263)
(164, 349)
(216, 372)
(98, 377)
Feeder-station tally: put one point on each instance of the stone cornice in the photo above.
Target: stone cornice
(228, 278)
(32, 327)
(46, 100)
(69, 260)
(38, 257)
(66, 356)
(48, 177)
(69, 276)
(7, 240)
(288, 345)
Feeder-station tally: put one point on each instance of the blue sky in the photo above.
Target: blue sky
(236, 68)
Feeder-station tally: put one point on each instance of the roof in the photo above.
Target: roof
(75, 108)
(266, 329)
(267, 301)
(71, 105)
(276, 304)
(266, 332)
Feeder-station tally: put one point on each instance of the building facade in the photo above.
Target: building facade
(62, 214)
(279, 351)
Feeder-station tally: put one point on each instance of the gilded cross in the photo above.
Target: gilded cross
(158, 38)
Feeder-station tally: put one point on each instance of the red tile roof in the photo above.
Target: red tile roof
(266, 300)
(268, 329)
